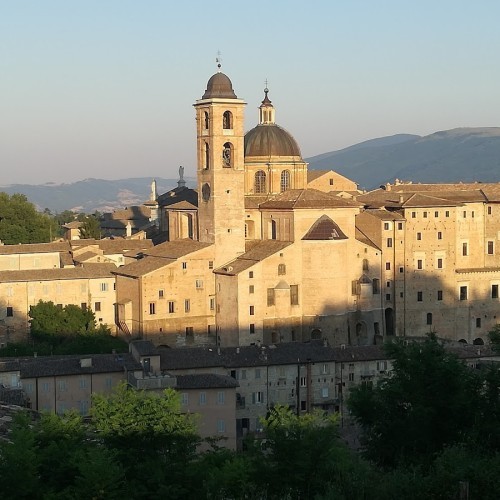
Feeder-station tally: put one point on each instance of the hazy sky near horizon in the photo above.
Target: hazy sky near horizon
(104, 88)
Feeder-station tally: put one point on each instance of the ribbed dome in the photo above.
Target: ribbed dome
(219, 86)
(270, 140)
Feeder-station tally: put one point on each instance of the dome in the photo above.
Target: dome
(270, 140)
(219, 86)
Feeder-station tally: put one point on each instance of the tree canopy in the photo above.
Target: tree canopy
(20, 222)
(91, 227)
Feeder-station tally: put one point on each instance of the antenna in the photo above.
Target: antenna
(218, 60)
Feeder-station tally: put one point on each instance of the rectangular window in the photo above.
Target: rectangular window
(270, 296)
(419, 236)
(465, 249)
(478, 322)
(494, 291)
(152, 308)
(199, 284)
(324, 392)
(490, 247)
(387, 296)
(251, 289)
(400, 226)
(472, 214)
(250, 274)
(440, 294)
(252, 328)
(202, 399)
(251, 310)
(389, 242)
(440, 235)
(257, 397)
(413, 215)
(420, 264)
(171, 306)
(184, 398)
(221, 397)
(465, 214)
(210, 264)
(447, 213)
(388, 284)
(463, 293)
(401, 269)
(45, 387)
(62, 386)
(104, 287)
(97, 307)
(420, 296)
(386, 226)
(351, 377)
(303, 381)
(189, 331)
(489, 210)
(436, 214)
(221, 425)
(257, 372)
(83, 383)
(187, 305)
(10, 311)
(440, 263)
(294, 295)
(243, 374)
(425, 215)
(161, 294)
(212, 303)
(184, 265)
(387, 266)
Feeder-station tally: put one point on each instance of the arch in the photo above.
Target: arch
(227, 155)
(207, 156)
(315, 334)
(478, 341)
(227, 120)
(285, 180)
(273, 229)
(389, 321)
(206, 120)
(463, 341)
(260, 182)
(429, 319)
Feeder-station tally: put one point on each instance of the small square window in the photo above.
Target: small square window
(387, 296)
(400, 226)
(161, 294)
(436, 214)
(425, 215)
(401, 269)
(386, 226)
(413, 215)
(97, 307)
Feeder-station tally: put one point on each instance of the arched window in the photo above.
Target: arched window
(227, 155)
(273, 229)
(207, 156)
(366, 266)
(316, 334)
(260, 182)
(207, 120)
(227, 120)
(478, 341)
(285, 180)
(429, 318)
(281, 269)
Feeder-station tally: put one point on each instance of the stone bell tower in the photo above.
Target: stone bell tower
(220, 152)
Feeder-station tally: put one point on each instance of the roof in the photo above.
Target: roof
(219, 86)
(179, 197)
(142, 267)
(87, 271)
(49, 366)
(307, 198)
(270, 140)
(205, 381)
(384, 214)
(59, 246)
(137, 212)
(256, 253)
(324, 229)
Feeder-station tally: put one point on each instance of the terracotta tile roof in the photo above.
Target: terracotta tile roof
(112, 246)
(59, 246)
(257, 253)
(315, 174)
(255, 201)
(138, 212)
(307, 198)
(478, 270)
(362, 238)
(143, 267)
(175, 249)
(384, 214)
(89, 271)
(179, 194)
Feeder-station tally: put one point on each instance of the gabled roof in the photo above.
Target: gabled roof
(257, 253)
(177, 195)
(88, 271)
(307, 198)
(59, 246)
(325, 229)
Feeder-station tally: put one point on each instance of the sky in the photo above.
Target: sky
(105, 88)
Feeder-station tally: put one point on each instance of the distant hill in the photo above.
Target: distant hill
(462, 154)
(92, 194)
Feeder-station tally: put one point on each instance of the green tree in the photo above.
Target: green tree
(20, 222)
(91, 228)
(494, 336)
(429, 401)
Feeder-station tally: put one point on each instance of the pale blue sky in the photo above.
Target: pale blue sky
(104, 88)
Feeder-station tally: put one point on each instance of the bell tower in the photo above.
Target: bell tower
(221, 161)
